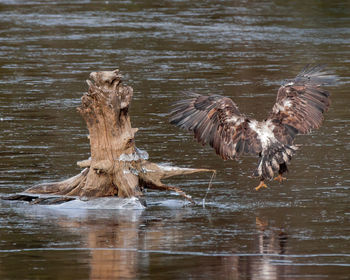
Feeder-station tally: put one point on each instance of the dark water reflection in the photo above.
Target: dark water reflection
(242, 49)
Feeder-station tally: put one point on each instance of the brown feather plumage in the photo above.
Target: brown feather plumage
(302, 102)
(217, 121)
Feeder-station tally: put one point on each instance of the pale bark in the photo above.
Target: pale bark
(116, 167)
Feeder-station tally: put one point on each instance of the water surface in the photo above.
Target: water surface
(241, 49)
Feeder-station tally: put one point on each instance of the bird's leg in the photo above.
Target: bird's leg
(283, 169)
(261, 185)
(280, 178)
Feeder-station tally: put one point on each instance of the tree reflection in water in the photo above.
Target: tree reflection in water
(130, 245)
(153, 244)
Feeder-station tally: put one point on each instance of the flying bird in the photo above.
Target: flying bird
(217, 121)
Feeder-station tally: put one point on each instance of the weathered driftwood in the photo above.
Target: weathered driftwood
(116, 166)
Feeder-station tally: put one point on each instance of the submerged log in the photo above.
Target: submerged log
(116, 166)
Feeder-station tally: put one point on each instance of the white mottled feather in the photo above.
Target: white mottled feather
(235, 119)
(265, 132)
(278, 107)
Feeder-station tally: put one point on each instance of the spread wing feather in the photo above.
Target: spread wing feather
(300, 103)
(216, 120)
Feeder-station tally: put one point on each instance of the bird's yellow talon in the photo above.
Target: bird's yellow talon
(280, 178)
(261, 185)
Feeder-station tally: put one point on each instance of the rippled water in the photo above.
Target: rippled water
(241, 49)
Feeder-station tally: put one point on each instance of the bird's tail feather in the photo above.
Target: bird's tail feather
(272, 158)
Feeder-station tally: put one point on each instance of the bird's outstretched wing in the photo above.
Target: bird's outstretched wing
(216, 120)
(300, 103)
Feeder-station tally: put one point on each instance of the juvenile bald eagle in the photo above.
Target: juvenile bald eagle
(216, 120)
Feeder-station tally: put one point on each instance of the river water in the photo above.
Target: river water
(242, 49)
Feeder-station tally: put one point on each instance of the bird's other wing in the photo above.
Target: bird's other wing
(216, 120)
(300, 103)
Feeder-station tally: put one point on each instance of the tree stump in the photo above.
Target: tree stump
(116, 166)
